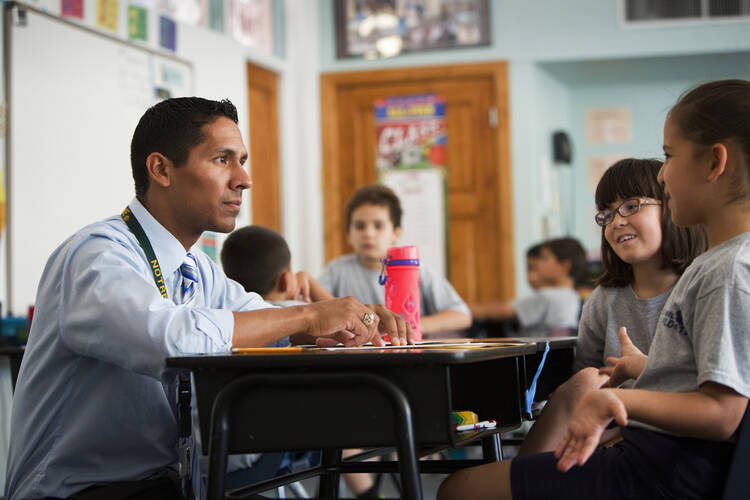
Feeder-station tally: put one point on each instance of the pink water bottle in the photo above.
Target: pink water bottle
(400, 275)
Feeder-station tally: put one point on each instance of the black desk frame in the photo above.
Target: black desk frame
(394, 398)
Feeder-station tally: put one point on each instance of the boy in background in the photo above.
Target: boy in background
(259, 259)
(554, 308)
(373, 224)
(533, 256)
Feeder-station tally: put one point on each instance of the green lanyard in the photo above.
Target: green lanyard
(184, 391)
(137, 230)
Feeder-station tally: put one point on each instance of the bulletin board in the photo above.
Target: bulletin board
(74, 98)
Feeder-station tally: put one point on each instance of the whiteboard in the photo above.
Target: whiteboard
(75, 97)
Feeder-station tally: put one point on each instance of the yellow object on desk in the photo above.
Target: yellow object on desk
(266, 350)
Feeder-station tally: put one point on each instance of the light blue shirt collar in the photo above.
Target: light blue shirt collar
(169, 251)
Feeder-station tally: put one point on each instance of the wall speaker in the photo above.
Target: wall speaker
(561, 147)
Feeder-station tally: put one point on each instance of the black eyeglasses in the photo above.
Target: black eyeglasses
(626, 209)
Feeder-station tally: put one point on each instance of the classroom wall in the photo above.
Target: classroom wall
(649, 87)
(564, 58)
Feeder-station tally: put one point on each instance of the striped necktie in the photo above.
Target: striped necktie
(189, 271)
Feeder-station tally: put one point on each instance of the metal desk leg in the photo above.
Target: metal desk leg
(218, 446)
(492, 448)
(328, 487)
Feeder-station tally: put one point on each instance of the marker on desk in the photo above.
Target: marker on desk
(485, 424)
(266, 350)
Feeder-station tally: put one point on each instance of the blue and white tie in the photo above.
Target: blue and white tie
(189, 271)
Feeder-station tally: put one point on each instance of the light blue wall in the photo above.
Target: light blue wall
(541, 107)
(649, 87)
(549, 30)
(566, 56)
(279, 29)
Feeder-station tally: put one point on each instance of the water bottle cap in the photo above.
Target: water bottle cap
(408, 252)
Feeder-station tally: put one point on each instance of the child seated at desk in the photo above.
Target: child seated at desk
(373, 222)
(554, 269)
(679, 420)
(259, 259)
(643, 254)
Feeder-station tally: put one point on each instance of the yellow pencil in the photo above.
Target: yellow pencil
(266, 350)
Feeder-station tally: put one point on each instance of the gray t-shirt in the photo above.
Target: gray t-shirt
(604, 312)
(347, 276)
(548, 309)
(702, 333)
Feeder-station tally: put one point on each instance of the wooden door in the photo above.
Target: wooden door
(263, 90)
(480, 236)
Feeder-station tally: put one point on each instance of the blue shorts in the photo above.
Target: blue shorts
(644, 465)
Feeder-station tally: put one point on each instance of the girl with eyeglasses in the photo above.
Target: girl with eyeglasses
(643, 255)
(679, 420)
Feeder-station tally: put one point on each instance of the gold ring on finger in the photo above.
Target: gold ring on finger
(368, 318)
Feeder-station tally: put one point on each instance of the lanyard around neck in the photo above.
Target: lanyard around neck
(135, 227)
(184, 391)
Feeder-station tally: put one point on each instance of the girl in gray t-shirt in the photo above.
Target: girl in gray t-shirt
(679, 419)
(643, 254)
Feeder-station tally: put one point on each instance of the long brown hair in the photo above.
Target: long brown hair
(630, 178)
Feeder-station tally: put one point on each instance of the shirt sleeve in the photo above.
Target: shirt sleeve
(439, 295)
(111, 310)
(719, 336)
(592, 330)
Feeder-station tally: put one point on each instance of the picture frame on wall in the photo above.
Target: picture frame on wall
(374, 29)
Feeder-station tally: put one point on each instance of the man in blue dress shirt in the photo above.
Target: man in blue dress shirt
(94, 406)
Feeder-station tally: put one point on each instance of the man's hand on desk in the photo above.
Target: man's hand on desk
(351, 323)
(326, 323)
(398, 330)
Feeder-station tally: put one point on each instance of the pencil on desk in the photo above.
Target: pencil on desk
(266, 350)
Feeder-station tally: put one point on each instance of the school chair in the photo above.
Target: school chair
(738, 479)
(269, 465)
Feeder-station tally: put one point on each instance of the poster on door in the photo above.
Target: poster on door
(411, 160)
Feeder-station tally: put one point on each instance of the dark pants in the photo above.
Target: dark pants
(162, 488)
(644, 465)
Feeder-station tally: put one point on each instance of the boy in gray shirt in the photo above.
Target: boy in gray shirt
(373, 225)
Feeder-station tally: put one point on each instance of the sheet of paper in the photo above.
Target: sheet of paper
(609, 125)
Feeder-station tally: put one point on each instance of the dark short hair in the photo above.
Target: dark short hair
(630, 178)
(714, 112)
(375, 194)
(173, 127)
(255, 257)
(569, 249)
(534, 251)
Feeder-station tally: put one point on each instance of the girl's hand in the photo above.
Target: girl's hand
(628, 366)
(592, 415)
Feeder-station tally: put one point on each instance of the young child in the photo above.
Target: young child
(679, 418)
(555, 306)
(373, 222)
(259, 259)
(643, 254)
(533, 255)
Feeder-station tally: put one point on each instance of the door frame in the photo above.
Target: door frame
(265, 168)
(331, 84)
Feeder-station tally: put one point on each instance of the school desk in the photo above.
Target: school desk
(351, 398)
